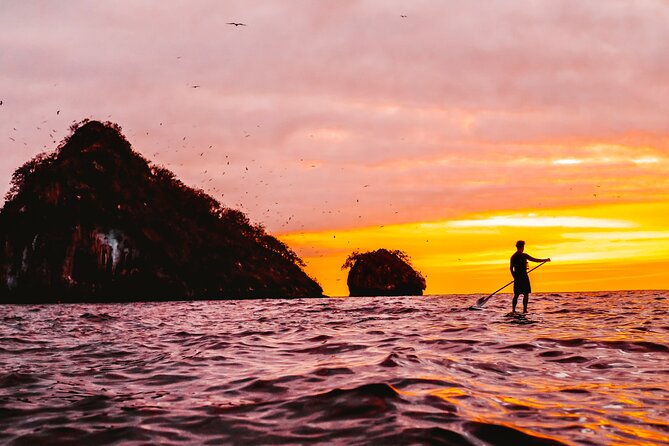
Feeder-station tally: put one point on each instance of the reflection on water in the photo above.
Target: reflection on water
(593, 369)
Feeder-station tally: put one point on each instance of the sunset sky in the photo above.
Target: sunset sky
(445, 129)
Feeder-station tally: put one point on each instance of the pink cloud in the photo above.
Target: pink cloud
(436, 113)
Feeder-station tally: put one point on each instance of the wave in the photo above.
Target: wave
(403, 370)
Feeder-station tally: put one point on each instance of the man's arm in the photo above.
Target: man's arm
(529, 257)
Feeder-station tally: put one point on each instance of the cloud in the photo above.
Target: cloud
(531, 221)
(437, 117)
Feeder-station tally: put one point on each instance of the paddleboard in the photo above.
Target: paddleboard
(519, 318)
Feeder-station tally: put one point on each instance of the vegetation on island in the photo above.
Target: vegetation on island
(382, 273)
(96, 221)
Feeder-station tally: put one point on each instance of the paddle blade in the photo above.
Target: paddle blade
(481, 301)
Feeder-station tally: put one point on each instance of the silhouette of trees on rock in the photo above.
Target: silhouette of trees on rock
(68, 211)
(382, 273)
(39, 164)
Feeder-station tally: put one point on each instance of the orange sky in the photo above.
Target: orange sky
(459, 128)
(592, 248)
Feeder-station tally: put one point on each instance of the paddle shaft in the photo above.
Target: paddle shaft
(481, 302)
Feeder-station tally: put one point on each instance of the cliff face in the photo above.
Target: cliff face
(382, 273)
(95, 221)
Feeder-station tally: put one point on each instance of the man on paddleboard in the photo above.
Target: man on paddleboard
(521, 280)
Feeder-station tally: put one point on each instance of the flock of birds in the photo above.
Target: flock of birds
(250, 171)
(217, 191)
(208, 177)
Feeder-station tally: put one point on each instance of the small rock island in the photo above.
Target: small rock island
(382, 273)
(95, 221)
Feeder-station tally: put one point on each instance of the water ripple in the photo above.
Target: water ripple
(589, 369)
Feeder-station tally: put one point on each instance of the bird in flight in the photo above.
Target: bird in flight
(236, 23)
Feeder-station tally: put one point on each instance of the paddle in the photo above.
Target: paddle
(483, 300)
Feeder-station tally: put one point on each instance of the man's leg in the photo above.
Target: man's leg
(526, 298)
(514, 302)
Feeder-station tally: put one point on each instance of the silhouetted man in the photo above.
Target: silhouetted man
(521, 284)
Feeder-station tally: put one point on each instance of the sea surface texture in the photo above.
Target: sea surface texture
(584, 368)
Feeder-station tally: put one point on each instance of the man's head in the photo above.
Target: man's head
(520, 245)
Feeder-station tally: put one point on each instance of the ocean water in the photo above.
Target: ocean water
(591, 368)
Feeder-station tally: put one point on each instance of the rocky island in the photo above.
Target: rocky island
(382, 273)
(95, 221)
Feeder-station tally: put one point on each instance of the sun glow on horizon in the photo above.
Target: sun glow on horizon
(534, 221)
(589, 250)
(646, 160)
